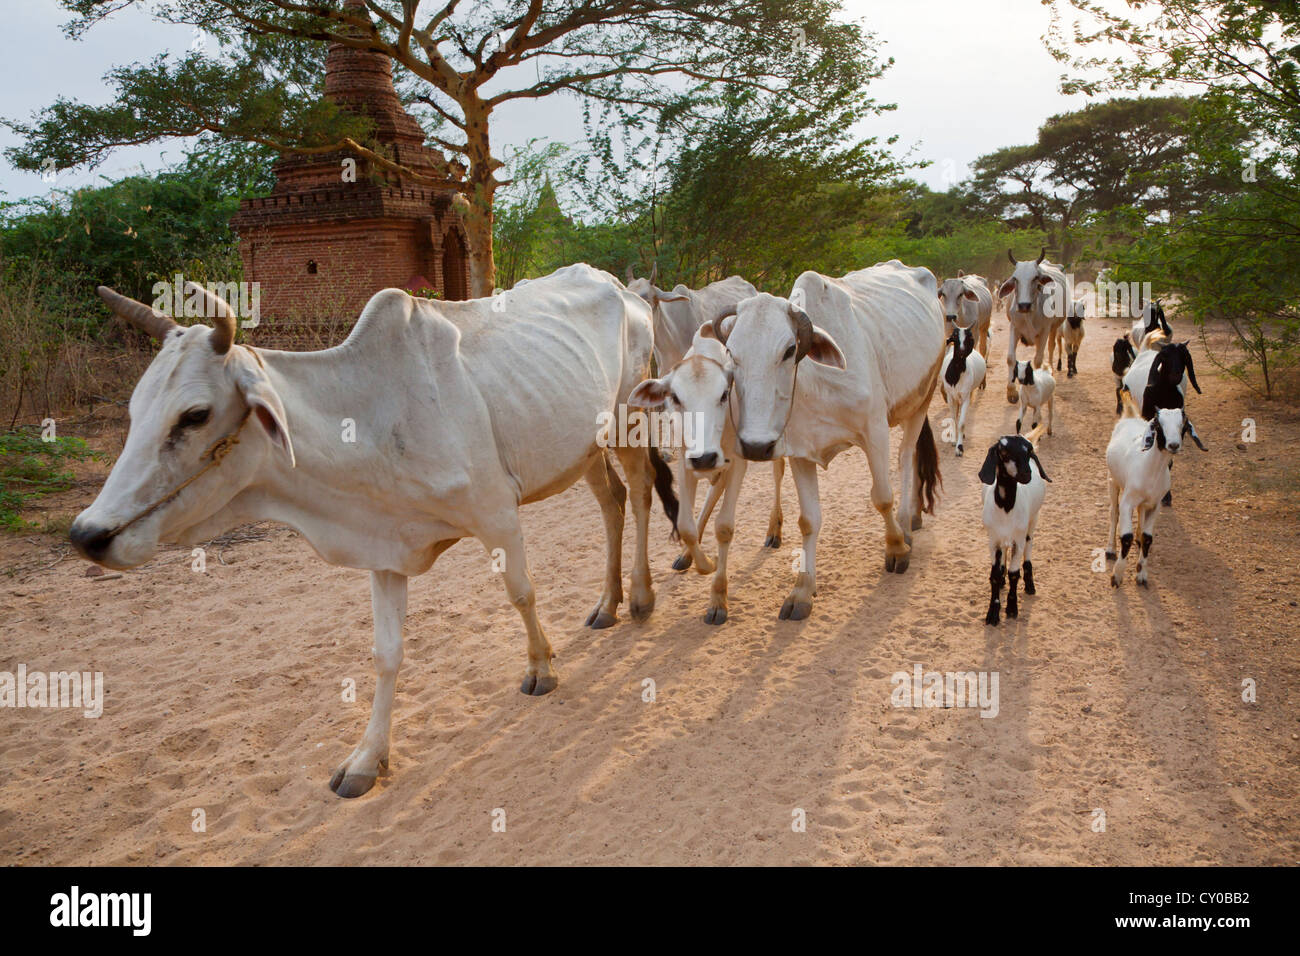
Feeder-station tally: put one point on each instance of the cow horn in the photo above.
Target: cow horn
(654, 271)
(143, 317)
(630, 274)
(1041, 256)
(1012, 256)
(803, 332)
(223, 318)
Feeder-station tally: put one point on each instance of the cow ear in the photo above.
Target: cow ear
(824, 351)
(671, 296)
(968, 294)
(1007, 287)
(719, 327)
(264, 404)
(652, 393)
(989, 470)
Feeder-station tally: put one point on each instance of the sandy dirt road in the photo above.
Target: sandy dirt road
(224, 689)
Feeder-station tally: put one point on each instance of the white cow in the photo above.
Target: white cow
(678, 315)
(875, 340)
(695, 395)
(968, 304)
(461, 416)
(1038, 302)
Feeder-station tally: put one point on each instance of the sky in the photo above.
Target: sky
(969, 76)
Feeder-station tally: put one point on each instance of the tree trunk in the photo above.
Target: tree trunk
(482, 187)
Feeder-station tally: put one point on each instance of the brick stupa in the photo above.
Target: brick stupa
(320, 246)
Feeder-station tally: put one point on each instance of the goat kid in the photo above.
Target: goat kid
(1037, 388)
(962, 372)
(1014, 487)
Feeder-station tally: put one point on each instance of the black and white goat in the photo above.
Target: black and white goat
(1138, 457)
(962, 372)
(1122, 355)
(1158, 379)
(1072, 336)
(1037, 388)
(1153, 318)
(1014, 486)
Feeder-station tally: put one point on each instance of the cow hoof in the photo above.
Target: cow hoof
(1168, 499)
(916, 524)
(351, 784)
(795, 610)
(715, 616)
(1142, 581)
(890, 561)
(535, 685)
(959, 451)
(773, 541)
(1111, 555)
(641, 610)
(899, 564)
(1114, 581)
(683, 561)
(600, 619)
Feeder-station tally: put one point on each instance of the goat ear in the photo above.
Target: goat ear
(989, 470)
(1149, 438)
(1190, 429)
(1148, 403)
(1034, 456)
(652, 393)
(265, 405)
(1191, 370)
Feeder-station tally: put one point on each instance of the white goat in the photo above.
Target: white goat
(962, 372)
(1014, 487)
(1139, 457)
(1037, 389)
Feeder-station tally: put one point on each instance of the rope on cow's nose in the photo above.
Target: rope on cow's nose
(217, 451)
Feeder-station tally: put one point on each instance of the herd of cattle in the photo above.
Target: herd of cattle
(461, 412)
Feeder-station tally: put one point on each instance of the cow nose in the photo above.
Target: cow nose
(757, 451)
(1022, 307)
(704, 462)
(90, 541)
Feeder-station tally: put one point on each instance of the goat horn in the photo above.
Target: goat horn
(143, 317)
(803, 332)
(224, 320)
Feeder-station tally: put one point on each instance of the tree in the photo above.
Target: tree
(666, 58)
(1235, 256)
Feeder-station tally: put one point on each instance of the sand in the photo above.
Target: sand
(225, 689)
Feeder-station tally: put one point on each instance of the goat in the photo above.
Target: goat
(1153, 318)
(962, 372)
(1014, 485)
(1037, 389)
(1122, 356)
(1160, 378)
(1139, 457)
(1072, 337)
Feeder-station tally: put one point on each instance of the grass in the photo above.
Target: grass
(30, 468)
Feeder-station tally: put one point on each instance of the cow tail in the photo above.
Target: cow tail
(664, 486)
(927, 468)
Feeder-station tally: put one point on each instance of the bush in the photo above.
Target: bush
(31, 467)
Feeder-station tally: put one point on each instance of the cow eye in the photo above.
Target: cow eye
(193, 418)
(675, 399)
(723, 399)
(788, 352)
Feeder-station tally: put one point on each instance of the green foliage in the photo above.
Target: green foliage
(31, 468)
